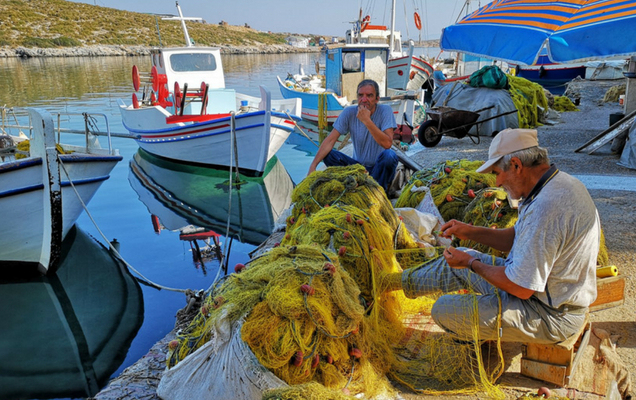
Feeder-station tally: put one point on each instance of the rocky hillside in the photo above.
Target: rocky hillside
(60, 23)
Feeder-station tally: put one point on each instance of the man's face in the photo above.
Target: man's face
(367, 97)
(508, 180)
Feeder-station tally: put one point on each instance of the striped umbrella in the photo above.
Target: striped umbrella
(571, 30)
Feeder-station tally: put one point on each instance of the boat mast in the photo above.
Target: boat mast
(183, 25)
(392, 36)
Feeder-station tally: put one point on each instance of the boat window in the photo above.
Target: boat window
(184, 62)
(351, 62)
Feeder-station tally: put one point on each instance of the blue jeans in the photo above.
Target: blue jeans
(383, 171)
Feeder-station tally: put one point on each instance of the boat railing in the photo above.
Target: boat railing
(87, 124)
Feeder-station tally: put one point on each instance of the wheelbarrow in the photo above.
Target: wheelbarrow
(451, 122)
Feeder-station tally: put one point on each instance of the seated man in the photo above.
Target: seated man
(371, 127)
(546, 284)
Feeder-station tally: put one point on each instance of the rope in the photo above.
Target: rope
(233, 152)
(110, 245)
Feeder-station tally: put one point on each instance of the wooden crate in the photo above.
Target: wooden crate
(553, 363)
(610, 292)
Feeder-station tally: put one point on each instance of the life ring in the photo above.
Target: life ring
(365, 23)
(418, 20)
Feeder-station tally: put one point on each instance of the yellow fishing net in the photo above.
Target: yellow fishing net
(526, 96)
(563, 103)
(25, 146)
(316, 310)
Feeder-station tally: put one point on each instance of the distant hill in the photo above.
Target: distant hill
(60, 23)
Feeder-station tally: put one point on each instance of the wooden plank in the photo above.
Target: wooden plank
(610, 292)
(610, 133)
(543, 371)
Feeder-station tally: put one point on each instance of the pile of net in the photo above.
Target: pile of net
(313, 310)
(527, 97)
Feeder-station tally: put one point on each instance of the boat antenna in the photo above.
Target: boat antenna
(183, 25)
(158, 31)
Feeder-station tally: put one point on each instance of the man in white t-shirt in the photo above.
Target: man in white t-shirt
(548, 280)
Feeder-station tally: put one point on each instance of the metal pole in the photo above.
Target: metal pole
(392, 36)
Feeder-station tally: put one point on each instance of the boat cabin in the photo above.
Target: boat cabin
(347, 65)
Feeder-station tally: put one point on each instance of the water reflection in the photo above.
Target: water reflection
(64, 334)
(195, 201)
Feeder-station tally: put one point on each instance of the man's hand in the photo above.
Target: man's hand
(364, 115)
(454, 227)
(456, 258)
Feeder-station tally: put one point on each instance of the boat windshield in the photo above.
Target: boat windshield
(184, 62)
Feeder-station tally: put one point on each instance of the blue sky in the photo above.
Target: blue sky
(323, 17)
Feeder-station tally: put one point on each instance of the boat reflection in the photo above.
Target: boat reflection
(195, 201)
(66, 333)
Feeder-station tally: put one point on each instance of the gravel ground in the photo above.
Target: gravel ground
(616, 206)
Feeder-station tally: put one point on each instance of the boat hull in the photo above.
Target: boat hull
(257, 137)
(408, 73)
(311, 104)
(22, 195)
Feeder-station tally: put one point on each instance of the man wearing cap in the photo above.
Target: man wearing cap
(371, 127)
(548, 280)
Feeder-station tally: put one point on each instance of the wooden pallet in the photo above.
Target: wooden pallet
(610, 133)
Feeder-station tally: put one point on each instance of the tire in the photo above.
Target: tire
(428, 134)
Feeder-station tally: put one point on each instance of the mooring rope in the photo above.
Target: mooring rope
(110, 245)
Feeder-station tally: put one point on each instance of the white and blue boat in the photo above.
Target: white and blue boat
(44, 186)
(185, 113)
(552, 76)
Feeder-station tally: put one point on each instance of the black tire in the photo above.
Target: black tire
(428, 134)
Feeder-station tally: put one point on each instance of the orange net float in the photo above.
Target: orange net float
(418, 20)
(136, 79)
(365, 23)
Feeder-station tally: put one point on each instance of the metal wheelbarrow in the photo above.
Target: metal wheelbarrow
(451, 122)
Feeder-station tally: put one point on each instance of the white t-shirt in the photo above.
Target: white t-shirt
(556, 244)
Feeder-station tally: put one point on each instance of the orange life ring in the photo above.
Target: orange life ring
(418, 21)
(365, 23)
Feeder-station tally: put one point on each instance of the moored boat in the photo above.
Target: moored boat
(211, 125)
(44, 186)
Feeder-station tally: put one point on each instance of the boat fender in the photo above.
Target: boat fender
(177, 97)
(365, 23)
(418, 21)
(412, 75)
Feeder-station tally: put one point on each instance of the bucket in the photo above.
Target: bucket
(621, 99)
(614, 118)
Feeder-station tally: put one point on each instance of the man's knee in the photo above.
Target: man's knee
(388, 157)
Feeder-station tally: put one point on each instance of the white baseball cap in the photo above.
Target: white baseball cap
(506, 142)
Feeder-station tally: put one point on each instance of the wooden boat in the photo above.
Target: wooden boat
(64, 334)
(38, 187)
(195, 200)
(552, 76)
(187, 114)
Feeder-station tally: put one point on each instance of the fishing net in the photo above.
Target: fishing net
(24, 147)
(452, 185)
(317, 308)
(563, 103)
(527, 97)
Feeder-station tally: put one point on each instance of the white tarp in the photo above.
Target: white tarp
(223, 368)
(465, 97)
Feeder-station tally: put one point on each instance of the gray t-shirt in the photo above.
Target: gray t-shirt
(556, 244)
(365, 149)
